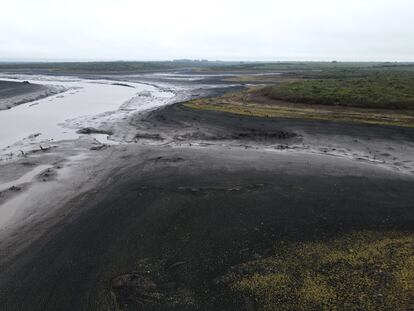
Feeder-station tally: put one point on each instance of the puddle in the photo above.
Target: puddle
(104, 139)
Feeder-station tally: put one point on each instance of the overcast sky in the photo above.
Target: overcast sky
(268, 30)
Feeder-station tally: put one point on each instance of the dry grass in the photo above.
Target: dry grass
(246, 103)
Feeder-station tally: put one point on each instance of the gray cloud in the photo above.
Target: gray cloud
(226, 29)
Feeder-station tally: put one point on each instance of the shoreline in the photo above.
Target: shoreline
(102, 134)
(17, 93)
(59, 117)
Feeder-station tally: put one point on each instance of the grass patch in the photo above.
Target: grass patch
(361, 271)
(385, 91)
(244, 104)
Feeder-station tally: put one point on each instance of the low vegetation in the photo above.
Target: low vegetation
(390, 91)
(361, 271)
(299, 69)
(385, 97)
(248, 104)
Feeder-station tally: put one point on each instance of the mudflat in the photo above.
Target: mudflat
(227, 212)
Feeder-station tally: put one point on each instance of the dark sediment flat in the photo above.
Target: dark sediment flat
(227, 122)
(16, 93)
(10, 88)
(388, 145)
(172, 220)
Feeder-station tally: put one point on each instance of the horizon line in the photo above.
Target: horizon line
(195, 60)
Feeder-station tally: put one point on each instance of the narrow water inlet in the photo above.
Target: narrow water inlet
(89, 98)
(56, 118)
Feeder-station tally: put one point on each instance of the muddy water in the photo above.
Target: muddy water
(24, 123)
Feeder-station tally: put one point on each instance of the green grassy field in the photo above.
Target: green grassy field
(374, 93)
(386, 91)
(300, 69)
